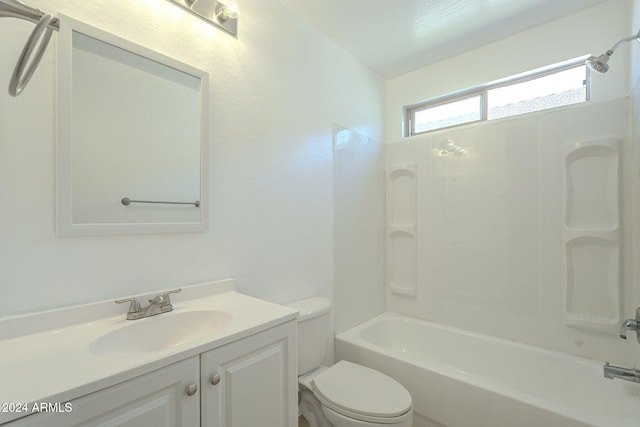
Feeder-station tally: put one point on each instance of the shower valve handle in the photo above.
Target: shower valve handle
(631, 325)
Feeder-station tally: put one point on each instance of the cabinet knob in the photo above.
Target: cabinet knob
(192, 389)
(215, 379)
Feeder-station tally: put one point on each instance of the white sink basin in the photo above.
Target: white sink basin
(160, 332)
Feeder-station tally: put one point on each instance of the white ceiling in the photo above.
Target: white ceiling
(394, 37)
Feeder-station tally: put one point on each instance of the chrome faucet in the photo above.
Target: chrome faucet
(627, 374)
(158, 305)
(631, 325)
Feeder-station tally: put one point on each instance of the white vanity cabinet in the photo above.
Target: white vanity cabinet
(159, 398)
(251, 382)
(92, 367)
(247, 383)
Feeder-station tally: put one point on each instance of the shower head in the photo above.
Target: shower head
(599, 63)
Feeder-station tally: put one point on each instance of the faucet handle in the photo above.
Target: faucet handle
(628, 325)
(165, 295)
(134, 307)
(163, 299)
(631, 325)
(174, 291)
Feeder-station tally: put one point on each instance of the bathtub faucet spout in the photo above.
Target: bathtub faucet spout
(612, 372)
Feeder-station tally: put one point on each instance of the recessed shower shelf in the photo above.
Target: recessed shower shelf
(402, 230)
(591, 191)
(591, 171)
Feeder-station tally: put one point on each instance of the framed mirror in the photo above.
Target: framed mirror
(131, 137)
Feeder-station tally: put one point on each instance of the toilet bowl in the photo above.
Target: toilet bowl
(345, 394)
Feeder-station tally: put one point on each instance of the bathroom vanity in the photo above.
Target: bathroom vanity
(219, 358)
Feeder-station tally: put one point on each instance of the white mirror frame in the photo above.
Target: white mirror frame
(64, 176)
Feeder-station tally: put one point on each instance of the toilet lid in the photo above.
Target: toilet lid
(359, 390)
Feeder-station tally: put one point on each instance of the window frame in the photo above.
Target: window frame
(483, 90)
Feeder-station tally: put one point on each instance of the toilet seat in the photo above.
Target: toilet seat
(361, 393)
(338, 419)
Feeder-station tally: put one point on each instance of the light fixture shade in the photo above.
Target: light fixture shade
(226, 11)
(222, 16)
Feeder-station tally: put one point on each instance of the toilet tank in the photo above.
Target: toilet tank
(314, 332)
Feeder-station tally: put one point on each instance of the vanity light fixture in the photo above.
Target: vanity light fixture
(226, 12)
(222, 15)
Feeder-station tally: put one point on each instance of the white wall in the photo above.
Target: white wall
(276, 92)
(359, 222)
(490, 237)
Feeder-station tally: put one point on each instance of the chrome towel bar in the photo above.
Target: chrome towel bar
(127, 201)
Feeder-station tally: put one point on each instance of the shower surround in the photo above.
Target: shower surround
(523, 232)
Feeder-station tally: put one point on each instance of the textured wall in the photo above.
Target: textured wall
(358, 230)
(276, 92)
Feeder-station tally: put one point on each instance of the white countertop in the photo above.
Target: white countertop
(46, 357)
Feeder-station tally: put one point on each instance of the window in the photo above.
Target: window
(535, 91)
(450, 113)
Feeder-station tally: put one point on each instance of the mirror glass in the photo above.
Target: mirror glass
(131, 137)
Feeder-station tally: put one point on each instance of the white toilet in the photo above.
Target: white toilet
(345, 394)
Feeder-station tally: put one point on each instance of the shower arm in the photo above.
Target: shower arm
(624, 40)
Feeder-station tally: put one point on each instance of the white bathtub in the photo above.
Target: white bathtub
(462, 379)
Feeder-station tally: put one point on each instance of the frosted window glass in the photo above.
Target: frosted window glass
(449, 114)
(550, 91)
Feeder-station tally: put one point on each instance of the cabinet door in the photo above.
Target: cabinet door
(156, 399)
(252, 382)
